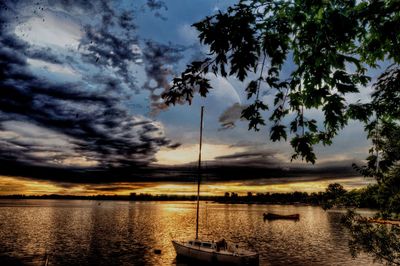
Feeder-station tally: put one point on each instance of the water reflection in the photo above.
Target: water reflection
(126, 233)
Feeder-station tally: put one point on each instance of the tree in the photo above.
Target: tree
(381, 240)
(334, 195)
(335, 190)
(330, 44)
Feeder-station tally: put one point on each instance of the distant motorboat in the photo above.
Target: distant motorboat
(274, 216)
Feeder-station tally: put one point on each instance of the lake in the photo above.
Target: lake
(83, 232)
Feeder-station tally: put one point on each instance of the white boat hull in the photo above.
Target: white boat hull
(213, 256)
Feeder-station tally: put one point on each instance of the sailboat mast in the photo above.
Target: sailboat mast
(199, 173)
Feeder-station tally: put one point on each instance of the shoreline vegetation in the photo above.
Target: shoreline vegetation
(358, 198)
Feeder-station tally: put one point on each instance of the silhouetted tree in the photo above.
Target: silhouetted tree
(335, 190)
(329, 43)
(382, 240)
(334, 195)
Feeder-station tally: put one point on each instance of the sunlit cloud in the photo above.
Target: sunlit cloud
(242, 187)
(50, 28)
(16, 185)
(26, 186)
(54, 68)
(189, 153)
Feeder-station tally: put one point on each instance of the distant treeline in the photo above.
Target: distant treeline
(67, 197)
(131, 197)
(335, 194)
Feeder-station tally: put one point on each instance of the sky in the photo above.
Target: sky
(81, 111)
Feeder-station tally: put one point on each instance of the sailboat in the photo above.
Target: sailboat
(216, 252)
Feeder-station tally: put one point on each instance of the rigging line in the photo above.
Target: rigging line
(206, 179)
(199, 173)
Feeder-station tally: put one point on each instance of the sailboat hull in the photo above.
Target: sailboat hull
(212, 256)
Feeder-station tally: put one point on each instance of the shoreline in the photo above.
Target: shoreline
(212, 199)
(178, 200)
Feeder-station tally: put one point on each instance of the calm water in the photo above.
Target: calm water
(76, 232)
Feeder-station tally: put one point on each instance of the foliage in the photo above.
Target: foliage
(389, 192)
(330, 44)
(334, 194)
(383, 127)
(381, 240)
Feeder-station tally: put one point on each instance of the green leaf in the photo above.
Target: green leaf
(251, 88)
(278, 132)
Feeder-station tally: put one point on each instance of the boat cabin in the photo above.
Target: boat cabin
(202, 244)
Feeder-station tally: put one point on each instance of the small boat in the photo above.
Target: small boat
(274, 216)
(216, 253)
(219, 252)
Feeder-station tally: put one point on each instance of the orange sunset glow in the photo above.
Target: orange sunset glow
(12, 185)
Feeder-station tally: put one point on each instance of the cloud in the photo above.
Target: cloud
(45, 54)
(110, 43)
(190, 36)
(159, 66)
(230, 116)
(156, 5)
(254, 163)
(53, 129)
(174, 145)
(247, 155)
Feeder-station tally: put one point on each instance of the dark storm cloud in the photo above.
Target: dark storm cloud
(239, 167)
(116, 187)
(156, 5)
(111, 42)
(230, 116)
(174, 145)
(258, 164)
(159, 62)
(249, 155)
(71, 4)
(80, 124)
(44, 54)
(247, 170)
(263, 163)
